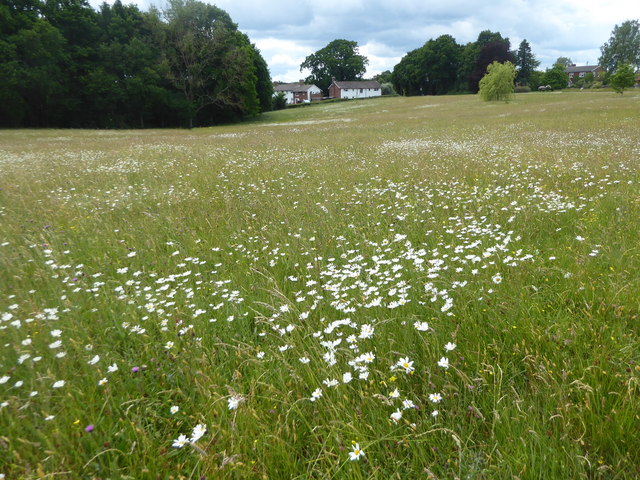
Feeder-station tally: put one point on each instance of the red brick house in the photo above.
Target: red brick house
(357, 89)
(577, 72)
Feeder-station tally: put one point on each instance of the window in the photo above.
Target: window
(581, 74)
(361, 90)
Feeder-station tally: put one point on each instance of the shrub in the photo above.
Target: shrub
(522, 89)
(279, 101)
(387, 89)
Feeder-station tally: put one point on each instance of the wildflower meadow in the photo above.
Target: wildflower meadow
(425, 287)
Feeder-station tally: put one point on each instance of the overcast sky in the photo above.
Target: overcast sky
(286, 31)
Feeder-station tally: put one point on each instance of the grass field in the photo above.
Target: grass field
(430, 287)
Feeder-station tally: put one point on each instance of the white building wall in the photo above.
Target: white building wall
(359, 93)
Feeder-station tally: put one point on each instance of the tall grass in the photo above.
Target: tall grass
(429, 287)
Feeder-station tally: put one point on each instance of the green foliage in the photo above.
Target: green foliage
(497, 84)
(623, 47)
(407, 77)
(65, 64)
(623, 78)
(384, 77)
(556, 77)
(429, 70)
(279, 101)
(564, 62)
(387, 89)
(535, 79)
(265, 227)
(526, 63)
(490, 47)
(340, 59)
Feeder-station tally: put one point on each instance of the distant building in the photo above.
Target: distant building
(358, 89)
(576, 72)
(299, 92)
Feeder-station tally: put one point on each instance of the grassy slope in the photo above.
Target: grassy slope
(539, 196)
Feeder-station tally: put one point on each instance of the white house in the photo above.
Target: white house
(298, 92)
(357, 89)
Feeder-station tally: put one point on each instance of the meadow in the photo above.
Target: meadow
(427, 287)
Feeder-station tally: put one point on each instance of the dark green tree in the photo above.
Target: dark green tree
(340, 59)
(429, 70)
(623, 78)
(491, 47)
(440, 63)
(526, 63)
(210, 62)
(622, 47)
(408, 75)
(384, 77)
(264, 85)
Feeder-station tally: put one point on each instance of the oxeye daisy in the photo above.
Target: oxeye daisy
(435, 397)
(180, 442)
(406, 364)
(198, 431)
(356, 453)
(233, 402)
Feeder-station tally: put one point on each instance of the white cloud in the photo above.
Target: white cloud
(286, 31)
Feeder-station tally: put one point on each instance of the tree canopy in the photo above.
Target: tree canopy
(340, 59)
(429, 70)
(556, 77)
(623, 47)
(65, 64)
(623, 78)
(497, 84)
(443, 66)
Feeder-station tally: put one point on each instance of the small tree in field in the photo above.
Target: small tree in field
(623, 78)
(497, 84)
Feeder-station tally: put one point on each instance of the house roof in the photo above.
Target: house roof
(357, 84)
(583, 68)
(293, 87)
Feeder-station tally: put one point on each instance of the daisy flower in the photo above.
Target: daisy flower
(198, 431)
(180, 442)
(406, 364)
(233, 402)
(356, 453)
(435, 397)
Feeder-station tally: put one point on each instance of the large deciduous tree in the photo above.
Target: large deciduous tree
(210, 62)
(622, 47)
(340, 59)
(441, 61)
(491, 47)
(429, 70)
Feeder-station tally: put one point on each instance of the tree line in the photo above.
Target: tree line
(64, 64)
(443, 66)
